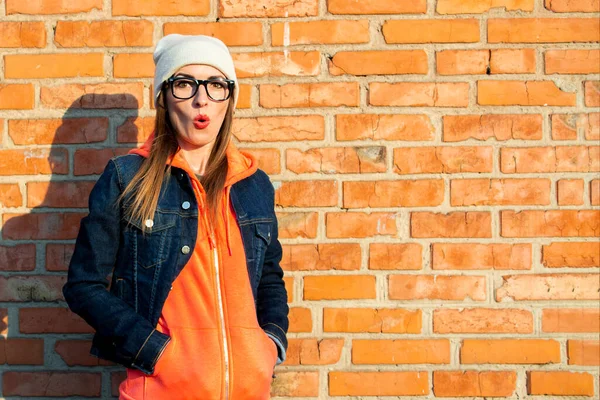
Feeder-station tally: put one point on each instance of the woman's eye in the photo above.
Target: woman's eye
(217, 85)
(182, 84)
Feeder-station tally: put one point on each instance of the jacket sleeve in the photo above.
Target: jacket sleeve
(136, 343)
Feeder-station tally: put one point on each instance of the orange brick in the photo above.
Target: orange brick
(572, 5)
(245, 96)
(583, 352)
(278, 129)
(431, 31)
(46, 7)
(549, 287)
(63, 65)
(478, 256)
(592, 128)
(321, 257)
(22, 34)
(479, 7)
(231, 33)
(76, 353)
(51, 320)
(136, 8)
(19, 351)
(475, 192)
(72, 194)
(566, 126)
(330, 94)
(512, 61)
(498, 126)
(20, 257)
(54, 131)
(293, 225)
(560, 383)
(372, 320)
(135, 129)
(573, 320)
(360, 225)
(389, 62)
(419, 94)
(134, 65)
(307, 194)
(3, 321)
(10, 195)
(474, 383)
(509, 351)
(592, 93)
(531, 93)
(376, 7)
(482, 320)
(294, 63)
(383, 127)
(296, 383)
(96, 96)
(572, 61)
(595, 192)
(93, 161)
(543, 30)
(103, 33)
(34, 162)
(426, 351)
(58, 256)
(268, 159)
(404, 256)
(437, 287)
(32, 288)
(289, 288)
(390, 383)
(571, 254)
(550, 159)
(339, 287)
(267, 8)
(559, 223)
(404, 193)
(337, 160)
(51, 383)
(462, 62)
(41, 226)
(17, 96)
(458, 224)
(313, 351)
(570, 192)
(319, 32)
(300, 320)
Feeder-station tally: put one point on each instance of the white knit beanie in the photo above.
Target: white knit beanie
(175, 51)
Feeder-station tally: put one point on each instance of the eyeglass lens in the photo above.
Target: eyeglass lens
(187, 88)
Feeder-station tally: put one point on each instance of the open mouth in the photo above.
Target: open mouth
(201, 121)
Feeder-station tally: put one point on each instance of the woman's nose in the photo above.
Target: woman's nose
(201, 97)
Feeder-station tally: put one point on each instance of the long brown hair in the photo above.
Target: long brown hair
(141, 195)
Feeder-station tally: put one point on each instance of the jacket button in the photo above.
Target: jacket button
(185, 249)
(185, 205)
(149, 223)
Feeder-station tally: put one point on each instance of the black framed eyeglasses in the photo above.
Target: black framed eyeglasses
(183, 87)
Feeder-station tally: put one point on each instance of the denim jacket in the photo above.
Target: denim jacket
(144, 266)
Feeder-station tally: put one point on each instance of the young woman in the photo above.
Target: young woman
(197, 307)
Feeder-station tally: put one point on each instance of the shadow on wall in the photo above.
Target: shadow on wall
(63, 160)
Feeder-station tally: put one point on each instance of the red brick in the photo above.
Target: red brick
(93, 161)
(482, 320)
(595, 192)
(512, 61)
(383, 127)
(289, 287)
(299, 224)
(509, 351)
(572, 5)
(51, 320)
(331, 94)
(59, 194)
(313, 351)
(404, 193)
(560, 383)
(231, 33)
(17, 97)
(447, 160)
(321, 257)
(437, 287)
(34, 162)
(390, 256)
(473, 224)
(58, 256)
(136, 33)
(417, 351)
(135, 129)
(372, 320)
(41, 226)
(500, 127)
(274, 64)
(479, 7)
(592, 127)
(46, 7)
(547, 223)
(339, 287)
(277, 129)
(18, 351)
(96, 96)
(462, 62)
(566, 126)
(58, 65)
(20, 257)
(592, 93)
(22, 34)
(300, 320)
(32, 288)
(58, 131)
(133, 65)
(474, 383)
(135, 8)
(76, 353)
(419, 94)
(10, 195)
(480, 256)
(267, 8)
(431, 31)
(380, 383)
(495, 192)
(296, 383)
(51, 384)
(572, 61)
(571, 254)
(583, 352)
(115, 380)
(570, 192)
(319, 32)
(360, 225)
(376, 7)
(543, 30)
(550, 159)
(3, 321)
(388, 62)
(268, 159)
(337, 160)
(572, 320)
(549, 287)
(522, 93)
(307, 194)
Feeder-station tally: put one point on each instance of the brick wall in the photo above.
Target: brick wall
(437, 172)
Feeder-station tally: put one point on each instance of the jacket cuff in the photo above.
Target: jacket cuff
(150, 352)
(280, 348)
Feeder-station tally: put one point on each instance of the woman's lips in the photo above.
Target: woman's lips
(201, 121)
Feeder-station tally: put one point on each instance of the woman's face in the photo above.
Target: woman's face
(197, 120)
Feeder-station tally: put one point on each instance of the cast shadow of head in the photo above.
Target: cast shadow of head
(37, 238)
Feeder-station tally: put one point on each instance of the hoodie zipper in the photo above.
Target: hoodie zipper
(222, 317)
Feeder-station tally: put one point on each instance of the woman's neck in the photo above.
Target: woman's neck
(196, 157)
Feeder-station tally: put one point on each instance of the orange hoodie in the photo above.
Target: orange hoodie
(217, 349)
